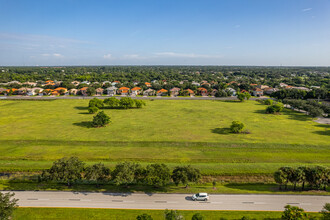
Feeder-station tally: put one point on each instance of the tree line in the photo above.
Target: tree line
(312, 107)
(72, 170)
(317, 177)
(113, 103)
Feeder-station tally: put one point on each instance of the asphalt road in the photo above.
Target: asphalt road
(168, 201)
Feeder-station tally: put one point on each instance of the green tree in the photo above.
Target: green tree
(92, 109)
(144, 217)
(7, 205)
(100, 120)
(125, 173)
(157, 175)
(126, 103)
(91, 91)
(112, 102)
(276, 108)
(95, 102)
(268, 102)
(66, 170)
(185, 174)
(236, 127)
(247, 95)
(97, 172)
(139, 103)
(241, 96)
(172, 215)
(326, 212)
(197, 216)
(294, 213)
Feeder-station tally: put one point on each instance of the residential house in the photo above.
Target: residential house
(195, 83)
(149, 92)
(3, 90)
(55, 93)
(258, 92)
(263, 87)
(162, 92)
(136, 91)
(106, 82)
(302, 88)
(147, 84)
(85, 82)
(30, 83)
(73, 91)
(75, 83)
(214, 91)
(233, 91)
(202, 91)
(22, 91)
(34, 91)
(283, 85)
(62, 91)
(175, 91)
(111, 91)
(47, 91)
(99, 91)
(123, 91)
(83, 91)
(189, 92)
(269, 91)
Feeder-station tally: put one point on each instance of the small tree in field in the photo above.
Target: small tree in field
(112, 102)
(236, 127)
(241, 96)
(7, 205)
(144, 217)
(198, 216)
(92, 110)
(268, 102)
(100, 120)
(185, 174)
(66, 169)
(96, 103)
(97, 172)
(173, 215)
(326, 211)
(294, 213)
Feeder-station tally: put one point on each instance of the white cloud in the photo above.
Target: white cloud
(57, 55)
(306, 9)
(186, 55)
(133, 56)
(107, 56)
(51, 55)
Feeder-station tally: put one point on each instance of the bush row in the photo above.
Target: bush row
(316, 177)
(114, 103)
(71, 170)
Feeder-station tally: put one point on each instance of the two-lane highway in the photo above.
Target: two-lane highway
(251, 202)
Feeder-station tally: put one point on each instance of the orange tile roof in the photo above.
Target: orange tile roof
(123, 88)
(49, 81)
(202, 89)
(60, 88)
(146, 83)
(48, 90)
(84, 88)
(190, 91)
(136, 88)
(162, 90)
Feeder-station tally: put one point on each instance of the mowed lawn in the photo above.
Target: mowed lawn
(170, 131)
(119, 214)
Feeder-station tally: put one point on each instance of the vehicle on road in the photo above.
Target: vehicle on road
(200, 197)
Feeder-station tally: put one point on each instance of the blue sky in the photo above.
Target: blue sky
(165, 32)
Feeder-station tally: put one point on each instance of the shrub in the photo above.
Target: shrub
(294, 213)
(144, 217)
(7, 205)
(236, 127)
(96, 102)
(198, 216)
(100, 120)
(111, 102)
(92, 109)
(139, 103)
(276, 108)
(126, 102)
(268, 102)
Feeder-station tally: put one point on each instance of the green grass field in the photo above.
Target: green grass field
(119, 214)
(35, 133)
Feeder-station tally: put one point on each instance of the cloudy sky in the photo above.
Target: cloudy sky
(165, 32)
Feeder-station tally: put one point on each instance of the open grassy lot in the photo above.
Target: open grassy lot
(119, 214)
(35, 133)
